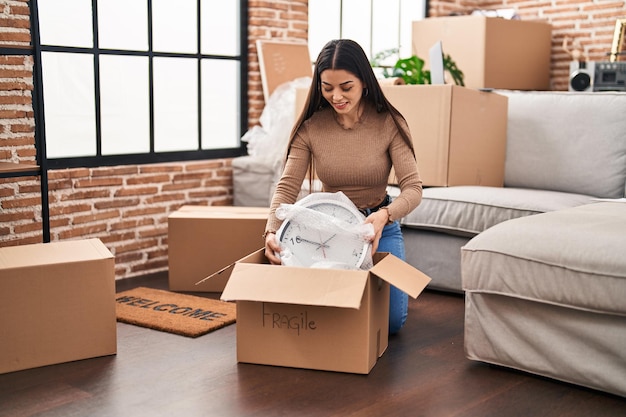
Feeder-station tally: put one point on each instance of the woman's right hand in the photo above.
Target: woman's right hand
(272, 248)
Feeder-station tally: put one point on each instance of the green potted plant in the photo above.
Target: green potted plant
(411, 69)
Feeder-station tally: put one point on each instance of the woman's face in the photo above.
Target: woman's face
(343, 90)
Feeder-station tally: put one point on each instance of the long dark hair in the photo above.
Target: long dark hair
(346, 54)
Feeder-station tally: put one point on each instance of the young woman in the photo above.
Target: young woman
(351, 137)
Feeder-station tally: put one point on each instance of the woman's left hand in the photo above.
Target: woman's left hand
(379, 220)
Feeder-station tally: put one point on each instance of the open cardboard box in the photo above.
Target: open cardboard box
(58, 303)
(205, 239)
(324, 319)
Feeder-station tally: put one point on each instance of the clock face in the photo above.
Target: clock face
(308, 245)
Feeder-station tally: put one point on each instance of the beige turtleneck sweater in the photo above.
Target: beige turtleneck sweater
(356, 161)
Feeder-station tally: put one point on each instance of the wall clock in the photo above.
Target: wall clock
(326, 238)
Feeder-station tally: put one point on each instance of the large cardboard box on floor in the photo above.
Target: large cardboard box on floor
(459, 133)
(491, 52)
(324, 319)
(204, 239)
(58, 303)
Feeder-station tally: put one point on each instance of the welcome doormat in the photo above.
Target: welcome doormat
(182, 314)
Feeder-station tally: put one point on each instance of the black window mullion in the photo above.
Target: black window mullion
(96, 76)
(243, 70)
(150, 76)
(38, 113)
(199, 63)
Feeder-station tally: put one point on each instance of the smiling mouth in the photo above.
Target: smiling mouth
(340, 105)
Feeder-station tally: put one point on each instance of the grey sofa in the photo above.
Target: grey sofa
(563, 150)
(542, 260)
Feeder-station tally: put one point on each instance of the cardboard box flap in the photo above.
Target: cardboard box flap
(218, 214)
(255, 257)
(60, 252)
(291, 285)
(400, 274)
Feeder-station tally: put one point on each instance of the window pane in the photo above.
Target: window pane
(175, 26)
(324, 24)
(385, 26)
(220, 104)
(127, 30)
(356, 23)
(65, 23)
(220, 27)
(175, 104)
(124, 104)
(68, 90)
(411, 10)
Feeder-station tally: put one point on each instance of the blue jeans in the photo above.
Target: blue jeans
(392, 241)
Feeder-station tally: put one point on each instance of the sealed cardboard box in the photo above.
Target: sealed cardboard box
(324, 319)
(492, 52)
(58, 303)
(204, 239)
(459, 133)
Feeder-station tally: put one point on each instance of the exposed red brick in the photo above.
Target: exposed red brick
(18, 241)
(10, 217)
(117, 203)
(153, 232)
(81, 232)
(117, 237)
(148, 211)
(21, 202)
(27, 228)
(7, 192)
(135, 245)
(136, 191)
(96, 217)
(99, 182)
(129, 257)
(187, 185)
(148, 179)
(85, 195)
(115, 171)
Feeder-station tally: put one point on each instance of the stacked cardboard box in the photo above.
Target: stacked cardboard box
(491, 52)
(204, 239)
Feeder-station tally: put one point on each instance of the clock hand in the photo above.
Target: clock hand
(327, 240)
(319, 245)
(322, 245)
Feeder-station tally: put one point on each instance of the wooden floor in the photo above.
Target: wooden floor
(423, 373)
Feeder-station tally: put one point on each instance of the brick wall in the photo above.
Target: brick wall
(279, 20)
(127, 206)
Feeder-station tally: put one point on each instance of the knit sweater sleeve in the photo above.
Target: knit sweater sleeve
(290, 183)
(407, 174)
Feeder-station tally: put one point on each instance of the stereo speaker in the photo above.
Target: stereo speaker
(581, 76)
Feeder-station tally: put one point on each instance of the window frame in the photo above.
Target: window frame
(150, 157)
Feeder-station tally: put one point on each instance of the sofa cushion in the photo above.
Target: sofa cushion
(573, 257)
(566, 141)
(468, 210)
(252, 181)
